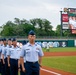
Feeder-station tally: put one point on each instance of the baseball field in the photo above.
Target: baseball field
(59, 61)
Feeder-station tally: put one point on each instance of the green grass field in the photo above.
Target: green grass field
(65, 63)
(61, 49)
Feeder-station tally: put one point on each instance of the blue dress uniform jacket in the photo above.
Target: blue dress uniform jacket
(14, 54)
(32, 54)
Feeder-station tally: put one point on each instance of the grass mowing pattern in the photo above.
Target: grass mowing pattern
(67, 64)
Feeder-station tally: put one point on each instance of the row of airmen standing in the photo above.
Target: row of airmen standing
(27, 59)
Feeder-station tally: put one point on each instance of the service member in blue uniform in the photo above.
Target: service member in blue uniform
(33, 54)
(8, 64)
(13, 54)
(0, 56)
(4, 55)
(21, 72)
(1, 46)
(4, 51)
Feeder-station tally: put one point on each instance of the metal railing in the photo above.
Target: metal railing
(39, 37)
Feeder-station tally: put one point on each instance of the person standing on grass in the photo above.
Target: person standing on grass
(47, 46)
(33, 54)
(4, 57)
(13, 55)
(1, 45)
(24, 60)
(8, 64)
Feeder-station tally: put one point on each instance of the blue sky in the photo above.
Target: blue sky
(29, 9)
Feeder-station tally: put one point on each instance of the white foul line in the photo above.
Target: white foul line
(50, 71)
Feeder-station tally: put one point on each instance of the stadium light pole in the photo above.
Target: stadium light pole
(61, 22)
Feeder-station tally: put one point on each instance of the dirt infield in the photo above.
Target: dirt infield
(59, 53)
(51, 71)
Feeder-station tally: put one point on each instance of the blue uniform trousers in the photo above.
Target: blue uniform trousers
(2, 68)
(32, 68)
(14, 66)
(21, 72)
(7, 69)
